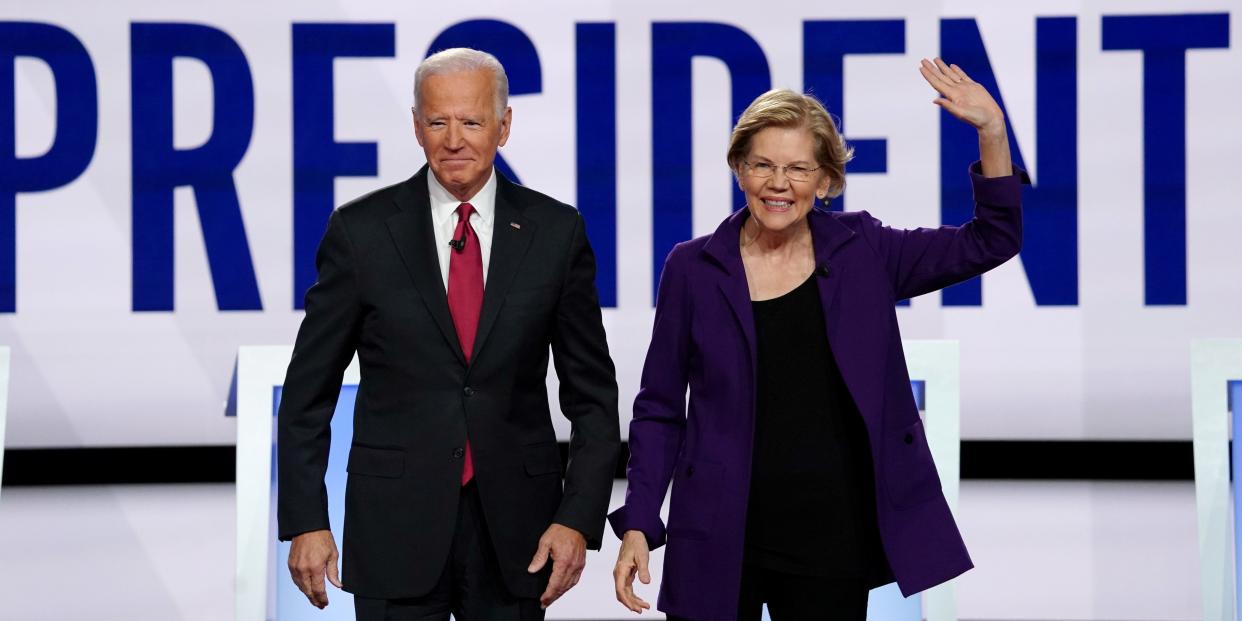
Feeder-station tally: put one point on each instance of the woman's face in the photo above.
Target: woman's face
(777, 202)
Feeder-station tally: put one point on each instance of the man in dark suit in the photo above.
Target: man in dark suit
(451, 286)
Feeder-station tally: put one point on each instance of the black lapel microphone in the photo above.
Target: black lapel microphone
(459, 244)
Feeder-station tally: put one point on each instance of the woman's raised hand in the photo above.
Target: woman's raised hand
(632, 560)
(963, 97)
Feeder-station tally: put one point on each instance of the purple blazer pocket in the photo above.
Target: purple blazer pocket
(696, 497)
(910, 473)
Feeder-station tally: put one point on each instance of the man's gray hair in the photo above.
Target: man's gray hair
(459, 59)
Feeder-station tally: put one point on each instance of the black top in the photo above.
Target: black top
(812, 492)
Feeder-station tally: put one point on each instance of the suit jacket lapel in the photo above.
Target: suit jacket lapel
(509, 245)
(724, 249)
(411, 231)
(827, 235)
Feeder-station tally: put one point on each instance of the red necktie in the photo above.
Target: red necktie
(465, 296)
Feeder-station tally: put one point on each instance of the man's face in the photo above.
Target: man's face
(457, 127)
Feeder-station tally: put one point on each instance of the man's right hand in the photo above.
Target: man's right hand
(632, 560)
(312, 555)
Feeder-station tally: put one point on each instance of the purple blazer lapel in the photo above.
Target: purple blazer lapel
(852, 328)
(723, 248)
(828, 235)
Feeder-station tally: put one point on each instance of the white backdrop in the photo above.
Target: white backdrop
(1108, 367)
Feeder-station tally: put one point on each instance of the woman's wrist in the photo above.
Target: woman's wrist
(993, 131)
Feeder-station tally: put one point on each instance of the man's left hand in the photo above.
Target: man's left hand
(567, 549)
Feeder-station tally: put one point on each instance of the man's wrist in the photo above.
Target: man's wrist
(571, 529)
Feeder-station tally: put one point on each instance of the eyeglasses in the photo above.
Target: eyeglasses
(763, 170)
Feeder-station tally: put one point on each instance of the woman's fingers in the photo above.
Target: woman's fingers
(623, 574)
(961, 74)
(944, 83)
(934, 80)
(949, 107)
(643, 574)
(623, 578)
(944, 69)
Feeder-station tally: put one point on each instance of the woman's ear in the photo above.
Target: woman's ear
(821, 191)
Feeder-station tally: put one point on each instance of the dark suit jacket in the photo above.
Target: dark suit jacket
(380, 293)
(704, 338)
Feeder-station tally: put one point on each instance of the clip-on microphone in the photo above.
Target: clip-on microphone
(459, 244)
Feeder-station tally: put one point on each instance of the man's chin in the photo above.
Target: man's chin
(457, 181)
(449, 175)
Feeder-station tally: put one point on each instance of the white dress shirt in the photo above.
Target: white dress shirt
(444, 220)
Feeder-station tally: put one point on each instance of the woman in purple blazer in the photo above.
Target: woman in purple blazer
(801, 474)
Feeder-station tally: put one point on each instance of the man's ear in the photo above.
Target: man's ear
(506, 122)
(418, 127)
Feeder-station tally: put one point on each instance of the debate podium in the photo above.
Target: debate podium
(1216, 411)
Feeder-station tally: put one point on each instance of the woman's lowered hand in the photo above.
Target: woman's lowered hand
(632, 560)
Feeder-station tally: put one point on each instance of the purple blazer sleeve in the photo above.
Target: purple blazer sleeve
(923, 260)
(659, 422)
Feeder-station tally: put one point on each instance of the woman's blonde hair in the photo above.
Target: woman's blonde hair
(785, 108)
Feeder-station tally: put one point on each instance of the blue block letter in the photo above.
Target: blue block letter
(597, 149)
(318, 159)
(159, 168)
(1164, 39)
(674, 45)
(1050, 210)
(77, 122)
(824, 47)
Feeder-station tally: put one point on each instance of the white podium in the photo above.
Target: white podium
(1215, 386)
(261, 576)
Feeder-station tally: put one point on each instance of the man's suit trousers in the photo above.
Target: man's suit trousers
(470, 588)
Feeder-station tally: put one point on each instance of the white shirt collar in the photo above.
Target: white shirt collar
(444, 204)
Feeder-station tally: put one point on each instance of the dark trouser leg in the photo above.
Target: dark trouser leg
(752, 596)
(794, 598)
(750, 600)
(471, 587)
(409, 609)
(479, 588)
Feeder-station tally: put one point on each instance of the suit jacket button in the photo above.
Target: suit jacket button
(690, 471)
(909, 439)
(468, 391)
(459, 452)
